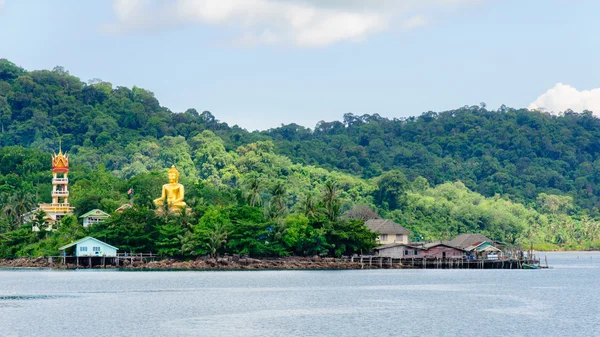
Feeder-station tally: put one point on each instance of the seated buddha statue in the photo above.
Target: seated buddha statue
(172, 193)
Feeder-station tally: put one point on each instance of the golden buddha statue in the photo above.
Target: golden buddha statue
(172, 193)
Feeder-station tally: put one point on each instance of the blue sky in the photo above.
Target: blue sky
(261, 63)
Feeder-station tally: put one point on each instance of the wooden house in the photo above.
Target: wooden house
(441, 250)
(389, 231)
(93, 217)
(484, 250)
(466, 240)
(90, 246)
(399, 250)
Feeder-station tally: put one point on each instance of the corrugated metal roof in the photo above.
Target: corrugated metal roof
(466, 240)
(383, 226)
(391, 245)
(445, 244)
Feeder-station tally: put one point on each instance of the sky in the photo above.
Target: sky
(263, 63)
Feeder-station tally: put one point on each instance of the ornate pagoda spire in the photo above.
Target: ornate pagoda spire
(60, 161)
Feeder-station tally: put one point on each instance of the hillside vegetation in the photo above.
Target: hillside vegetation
(515, 175)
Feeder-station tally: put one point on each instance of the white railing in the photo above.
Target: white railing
(46, 207)
(60, 180)
(57, 193)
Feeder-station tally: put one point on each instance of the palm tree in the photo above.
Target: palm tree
(279, 192)
(188, 243)
(216, 239)
(17, 205)
(331, 201)
(254, 192)
(308, 206)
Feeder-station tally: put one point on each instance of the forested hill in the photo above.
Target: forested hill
(516, 153)
(512, 152)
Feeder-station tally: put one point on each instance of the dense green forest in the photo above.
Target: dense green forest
(516, 175)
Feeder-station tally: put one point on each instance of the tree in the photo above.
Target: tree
(308, 206)
(253, 187)
(169, 238)
(211, 232)
(17, 204)
(391, 190)
(361, 212)
(331, 201)
(5, 113)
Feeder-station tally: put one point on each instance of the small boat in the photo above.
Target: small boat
(531, 266)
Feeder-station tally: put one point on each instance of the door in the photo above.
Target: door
(443, 255)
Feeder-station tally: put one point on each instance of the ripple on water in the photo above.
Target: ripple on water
(33, 297)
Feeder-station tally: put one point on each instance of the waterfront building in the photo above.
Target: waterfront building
(466, 240)
(399, 250)
(60, 193)
(439, 250)
(389, 231)
(90, 247)
(442, 250)
(93, 217)
(483, 250)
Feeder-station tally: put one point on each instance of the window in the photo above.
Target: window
(383, 237)
(83, 249)
(406, 252)
(416, 252)
(399, 237)
(96, 249)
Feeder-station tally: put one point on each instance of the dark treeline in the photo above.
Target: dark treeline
(519, 153)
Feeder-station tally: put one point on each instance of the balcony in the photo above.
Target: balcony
(60, 193)
(58, 207)
(60, 180)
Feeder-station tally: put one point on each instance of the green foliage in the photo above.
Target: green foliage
(515, 175)
(132, 231)
(391, 190)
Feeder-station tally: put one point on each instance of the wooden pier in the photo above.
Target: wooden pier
(104, 261)
(437, 263)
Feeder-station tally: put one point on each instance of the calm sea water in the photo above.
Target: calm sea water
(563, 301)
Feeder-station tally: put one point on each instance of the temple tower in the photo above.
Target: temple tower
(60, 189)
(60, 180)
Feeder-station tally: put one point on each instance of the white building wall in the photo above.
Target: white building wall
(94, 248)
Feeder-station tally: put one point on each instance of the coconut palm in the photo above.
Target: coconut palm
(217, 238)
(17, 205)
(253, 186)
(331, 201)
(308, 206)
(279, 193)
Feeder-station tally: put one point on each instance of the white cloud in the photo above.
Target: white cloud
(563, 97)
(302, 23)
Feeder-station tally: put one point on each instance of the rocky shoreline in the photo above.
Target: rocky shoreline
(224, 263)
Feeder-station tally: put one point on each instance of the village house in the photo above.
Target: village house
(399, 250)
(93, 217)
(441, 250)
(389, 231)
(484, 250)
(466, 240)
(90, 247)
